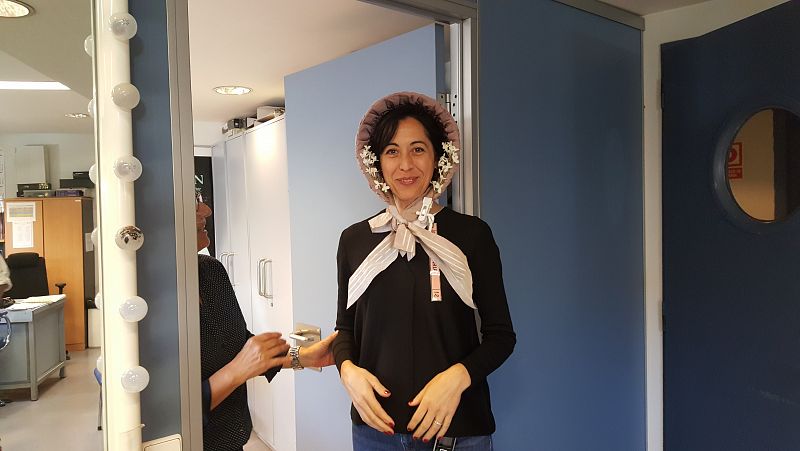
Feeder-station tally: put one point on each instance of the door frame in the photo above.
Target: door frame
(460, 15)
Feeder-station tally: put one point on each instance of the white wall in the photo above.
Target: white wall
(66, 152)
(668, 26)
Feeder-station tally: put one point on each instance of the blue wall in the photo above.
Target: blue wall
(561, 186)
(155, 210)
(324, 105)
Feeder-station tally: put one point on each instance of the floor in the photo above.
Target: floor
(68, 407)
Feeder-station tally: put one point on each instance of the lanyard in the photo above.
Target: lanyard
(436, 283)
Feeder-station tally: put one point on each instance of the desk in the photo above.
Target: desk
(37, 346)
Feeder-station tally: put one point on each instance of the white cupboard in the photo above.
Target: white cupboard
(256, 192)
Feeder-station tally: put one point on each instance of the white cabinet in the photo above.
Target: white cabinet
(257, 203)
(222, 237)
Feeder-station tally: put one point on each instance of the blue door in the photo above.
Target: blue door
(561, 187)
(731, 282)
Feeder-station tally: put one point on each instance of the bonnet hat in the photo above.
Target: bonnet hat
(413, 224)
(447, 165)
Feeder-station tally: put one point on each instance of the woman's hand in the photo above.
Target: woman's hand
(319, 354)
(361, 385)
(437, 403)
(260, 353)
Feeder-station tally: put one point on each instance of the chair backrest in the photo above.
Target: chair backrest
(5, 329)
(28, 275)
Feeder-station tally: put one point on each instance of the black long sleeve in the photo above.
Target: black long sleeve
(398, 334)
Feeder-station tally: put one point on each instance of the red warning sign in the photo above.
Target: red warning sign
(735, 162)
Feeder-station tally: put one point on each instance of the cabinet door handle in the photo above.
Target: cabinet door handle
(268, 289)
(231, 270)
(258, 275)
(223, 258)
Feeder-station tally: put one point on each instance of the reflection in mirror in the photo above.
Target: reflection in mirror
(763, 167)
(47, 215)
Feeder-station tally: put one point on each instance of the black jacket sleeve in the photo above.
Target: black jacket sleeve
(344, 346)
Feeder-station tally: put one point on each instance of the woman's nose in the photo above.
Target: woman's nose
(405, 161)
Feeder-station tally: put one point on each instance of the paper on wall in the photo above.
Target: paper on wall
(23, 235)
(21, 212)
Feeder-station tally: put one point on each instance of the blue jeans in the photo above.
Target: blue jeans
(367, 439)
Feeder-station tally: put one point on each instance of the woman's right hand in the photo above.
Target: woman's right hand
(260, 353)
(362, 385)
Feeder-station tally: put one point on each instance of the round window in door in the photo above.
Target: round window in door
(763, 167)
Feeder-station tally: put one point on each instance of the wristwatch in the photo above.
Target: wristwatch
(294, 353)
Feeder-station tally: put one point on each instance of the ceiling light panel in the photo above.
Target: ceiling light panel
(233, 90)
(33, 86)
(13, 8)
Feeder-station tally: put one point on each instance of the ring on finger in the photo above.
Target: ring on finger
(437, 422)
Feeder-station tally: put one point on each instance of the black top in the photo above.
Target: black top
(398, 334)
(223, 333)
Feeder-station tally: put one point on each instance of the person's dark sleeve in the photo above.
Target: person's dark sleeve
(490, 297)
(272, 372)
(344, 346)
(206, 389)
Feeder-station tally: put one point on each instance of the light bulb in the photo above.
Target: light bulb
(94, 236)
(125, 96)
(88, 45)
(129, 238)
(128, 168)
(100, 363)
(93, 173)
(90, 108)
(135, 379)
(133, 309)
(123, 26)
(98, 301)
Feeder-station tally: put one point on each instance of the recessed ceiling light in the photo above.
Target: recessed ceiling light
(14, 8)
(77, 115)
(232, 90)
(33, 85)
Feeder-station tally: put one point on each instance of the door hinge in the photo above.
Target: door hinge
(448, 101)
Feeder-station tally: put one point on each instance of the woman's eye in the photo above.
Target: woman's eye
(390, 152)
(419, 149)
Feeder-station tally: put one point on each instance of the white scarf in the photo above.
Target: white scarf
(406, 229)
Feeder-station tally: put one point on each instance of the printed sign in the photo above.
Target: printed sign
(735, 162)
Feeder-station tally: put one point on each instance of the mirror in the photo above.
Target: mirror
(47, 146)
(763, 167)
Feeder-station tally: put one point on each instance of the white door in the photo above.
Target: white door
(221, 229)
(270, 262)
(237, 261)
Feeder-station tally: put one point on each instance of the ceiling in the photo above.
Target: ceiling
(45, 46)
(645, 7)
(264, 40)
(256, 45)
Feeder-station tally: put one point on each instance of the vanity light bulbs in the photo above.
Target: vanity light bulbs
(135, 379)
(123, 26)
(88, 45)
(133, 309)
(98, 301)
(128, 168)
(125, 96)
(93, 173)
(129, 238)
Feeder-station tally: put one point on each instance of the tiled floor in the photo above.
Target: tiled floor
(64, 417)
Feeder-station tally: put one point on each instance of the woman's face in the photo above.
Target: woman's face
(407, 162)
(201, 213)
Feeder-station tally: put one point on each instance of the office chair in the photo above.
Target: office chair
(29, 276)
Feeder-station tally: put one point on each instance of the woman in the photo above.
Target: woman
(230, 354)
(410, 280)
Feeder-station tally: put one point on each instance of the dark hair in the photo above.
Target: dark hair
(386, 128)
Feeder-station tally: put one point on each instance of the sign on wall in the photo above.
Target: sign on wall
(735, 162)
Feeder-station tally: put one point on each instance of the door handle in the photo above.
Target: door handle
(231, 269)
(258, 276)
(268, 287)
(223, 258)
(306, 335)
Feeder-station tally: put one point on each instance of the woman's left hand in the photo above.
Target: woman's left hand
(319, 354)
(437, 403)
